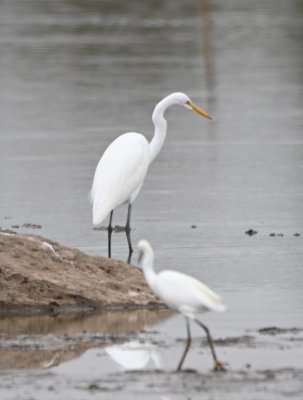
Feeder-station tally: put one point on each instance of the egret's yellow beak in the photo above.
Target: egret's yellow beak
(198, 110)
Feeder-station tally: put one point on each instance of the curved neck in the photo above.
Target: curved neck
(148, 270)
(158, 138)
(160, 126)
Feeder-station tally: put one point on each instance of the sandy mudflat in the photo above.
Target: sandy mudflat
(38, 275)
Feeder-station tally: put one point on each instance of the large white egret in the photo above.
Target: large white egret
(122, 168)
(183, 293)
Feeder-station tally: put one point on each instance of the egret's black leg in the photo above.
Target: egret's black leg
(187, 346)
(127, 231)
(109, 234)
(218, 364)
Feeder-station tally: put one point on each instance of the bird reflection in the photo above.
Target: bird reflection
(135, 355)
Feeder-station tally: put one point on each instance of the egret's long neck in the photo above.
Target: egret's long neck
(160, 127)
(148, 269)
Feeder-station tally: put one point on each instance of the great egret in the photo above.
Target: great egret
(182, 293)
(121, 170)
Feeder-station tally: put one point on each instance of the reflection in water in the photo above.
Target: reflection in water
(73, 324)
(135, 355)
(44, 341)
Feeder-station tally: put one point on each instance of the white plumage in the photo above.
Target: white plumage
(121, 170)
(186, 294)
(183, 293)
(120, 174)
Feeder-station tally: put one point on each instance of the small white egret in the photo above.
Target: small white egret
(122, 168)
(182, 293)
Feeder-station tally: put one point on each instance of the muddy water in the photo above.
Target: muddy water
(76, 74)
(134, 355)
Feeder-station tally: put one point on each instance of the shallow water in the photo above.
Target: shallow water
(74, 75)
(135, 354)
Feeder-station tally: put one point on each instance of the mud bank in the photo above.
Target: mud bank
(38, 275)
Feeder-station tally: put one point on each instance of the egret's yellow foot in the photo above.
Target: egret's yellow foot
(219, 366)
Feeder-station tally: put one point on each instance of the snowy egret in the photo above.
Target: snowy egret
(122, 168)
(182, 293)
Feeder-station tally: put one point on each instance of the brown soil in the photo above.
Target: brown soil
(38, 275)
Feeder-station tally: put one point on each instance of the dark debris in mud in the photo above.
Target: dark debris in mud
(245, 340)
(232, 341)
(31, 225)
(27, 225)
(95, 387)
(273, 330)
(251, 232)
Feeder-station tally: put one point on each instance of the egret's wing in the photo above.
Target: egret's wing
(183, 292)
(120, 171)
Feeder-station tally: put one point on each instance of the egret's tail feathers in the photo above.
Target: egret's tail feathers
(216, 303)
(212, 299)
(100, 212)
(99, 216)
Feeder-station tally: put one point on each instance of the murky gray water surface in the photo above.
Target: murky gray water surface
(76, 74)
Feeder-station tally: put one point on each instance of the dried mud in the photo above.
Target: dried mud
(38, 275)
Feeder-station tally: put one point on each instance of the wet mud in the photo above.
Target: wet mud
(128, 355)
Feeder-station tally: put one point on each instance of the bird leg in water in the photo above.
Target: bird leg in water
(109, 234)
(127, 231)
(218, 364)
(187, 346)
